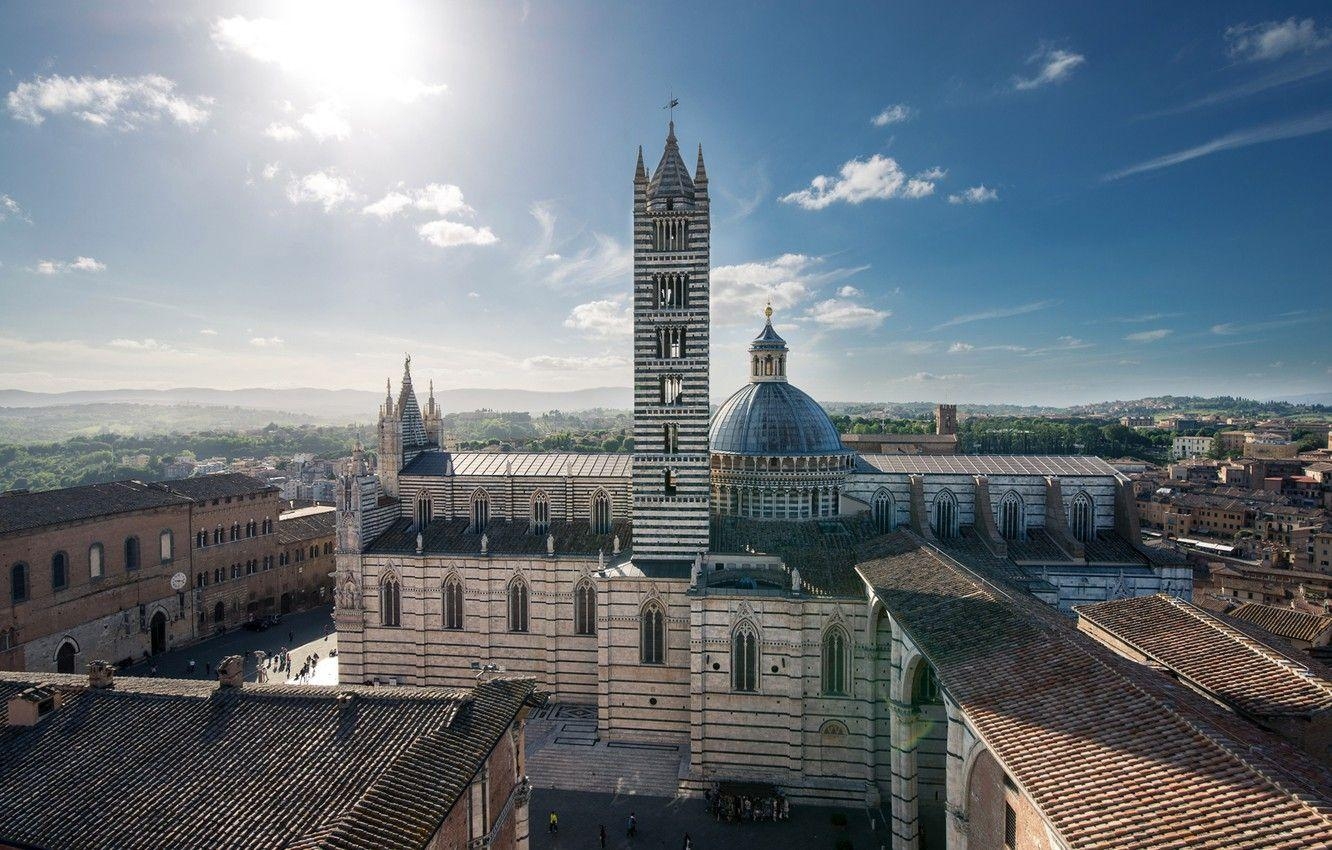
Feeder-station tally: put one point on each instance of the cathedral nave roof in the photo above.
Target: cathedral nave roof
(450, 536)
(523, 464)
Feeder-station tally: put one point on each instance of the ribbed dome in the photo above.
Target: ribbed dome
(773, 418)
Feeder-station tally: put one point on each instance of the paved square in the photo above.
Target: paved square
(663, 822)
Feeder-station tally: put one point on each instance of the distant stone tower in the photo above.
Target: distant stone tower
(672, 233)
(390, 442)
(945, 419)
(402, 429)
(434, 420)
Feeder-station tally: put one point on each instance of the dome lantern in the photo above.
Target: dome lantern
(767, 353)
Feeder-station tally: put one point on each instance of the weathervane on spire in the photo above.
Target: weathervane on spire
(674, 102)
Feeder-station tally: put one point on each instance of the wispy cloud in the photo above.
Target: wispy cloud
(968, 348)
(552, 363)
(267, 341)
(997, 313)
(740, 291)
(438, 198)
(975, 195)
(9, 208)
(860, 180)
(1274, 39)
(600, 259)
(1237, 328)
(1149, 336)
(1063, 343)
(1055, 66)
(122, 103)
(1320, 123)
(1287, 73)
(931, 377)
(140, 345)
(448, 234)
(895, 114)
(79, 264)
(1143, 317)
(843, 314)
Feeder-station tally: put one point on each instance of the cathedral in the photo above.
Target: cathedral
(726, 586)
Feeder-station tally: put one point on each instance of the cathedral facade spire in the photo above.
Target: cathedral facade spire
(671, 484)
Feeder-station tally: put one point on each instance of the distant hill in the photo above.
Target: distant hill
(318, 405)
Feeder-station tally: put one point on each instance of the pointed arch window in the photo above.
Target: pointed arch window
(59, 571)
(453, 603)
(925, 686)
(96, 555)
(585, 608)
(540, 512)
(1082, 518)
(945, 515)
(131, 553)
(836, 661)
(601, 513)
(480, 511)
(883, 511)
(517, 605)
(652, 634)
(18, 583)
(390, 602)
(744, 658)
(1012, 519)
(425, 510)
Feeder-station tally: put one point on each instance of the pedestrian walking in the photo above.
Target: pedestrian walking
(191, 666)
(208, 668)
(554, 822)
(688, 842)
(633, 825)
(152, 671)
(291, 637)
(603, 836)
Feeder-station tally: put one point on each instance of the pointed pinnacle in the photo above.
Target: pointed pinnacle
(700, 173)
(640, 172)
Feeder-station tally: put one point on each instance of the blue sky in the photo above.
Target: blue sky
(1039, 203)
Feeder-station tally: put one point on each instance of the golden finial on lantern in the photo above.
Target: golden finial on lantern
(768, 311)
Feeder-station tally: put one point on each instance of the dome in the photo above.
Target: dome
(773, 418)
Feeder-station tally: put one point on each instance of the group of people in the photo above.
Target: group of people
(630, 829)
(743, 807)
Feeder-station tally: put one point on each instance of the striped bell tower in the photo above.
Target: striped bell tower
(672, 233)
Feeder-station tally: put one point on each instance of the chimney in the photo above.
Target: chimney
(33, 704)
(101, 675)
(231, 672)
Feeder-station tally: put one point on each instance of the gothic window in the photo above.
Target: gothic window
(1012, 524)
(1082, 519)
(585, 608)
(166, 545)
(131, 553)
(669, 482)
(672, 291)
(945, 515)
(59, 571)
(235, 531)
(672, 389)
(217, 535)
(200, 539)
(925, 686)
(95, 559)
(670, 343)
(453, 604)
(670, 234)
(883, 511)
(836, 661)
(65, 657)
(744, 658)
(424, 512)
(652, 634)
(540, 512)
(601, 513)
(517, 605)
(480, 511)
(670, 438)
(390, 601)
(18, 583)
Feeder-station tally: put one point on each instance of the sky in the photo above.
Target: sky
(1045, 203)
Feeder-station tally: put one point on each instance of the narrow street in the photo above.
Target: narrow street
(303, 633)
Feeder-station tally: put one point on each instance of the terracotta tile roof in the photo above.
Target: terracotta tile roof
(825, 551)
(987, 464)
(150, 764)
(1112, 753)
(219, 485)
(24, 511)
(1250, 675)
(311, 526)
(1285, 622)
(523, 464)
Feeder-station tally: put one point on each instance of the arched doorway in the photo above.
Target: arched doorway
(285, 605)
(65, 657)
(219, 613)
(158, 628)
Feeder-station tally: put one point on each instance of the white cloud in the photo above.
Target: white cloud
(604, 318)
(739, 292)
(1320, 123)
(448, 234)
(1055, 67)
(120, 102)
(931, 377)
(140, 345)
(473, 295)
(960, 347)
(267, 342)
(321, 187)
(895, 114)
(1063, 343)
(552, 257)
(843, 315)
(997, 313)
(550, 363)
(935, 173)
(1274, 39)
(79, 264)
(282, 132)
(207, 332)
(848, 292)
(603, 259)
(388, 206)
(1149, 336)
(326, 121)
(271, 170)
(975, 195)
(968, 348)
(437, 198)
(9, 208)
(860, 180)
